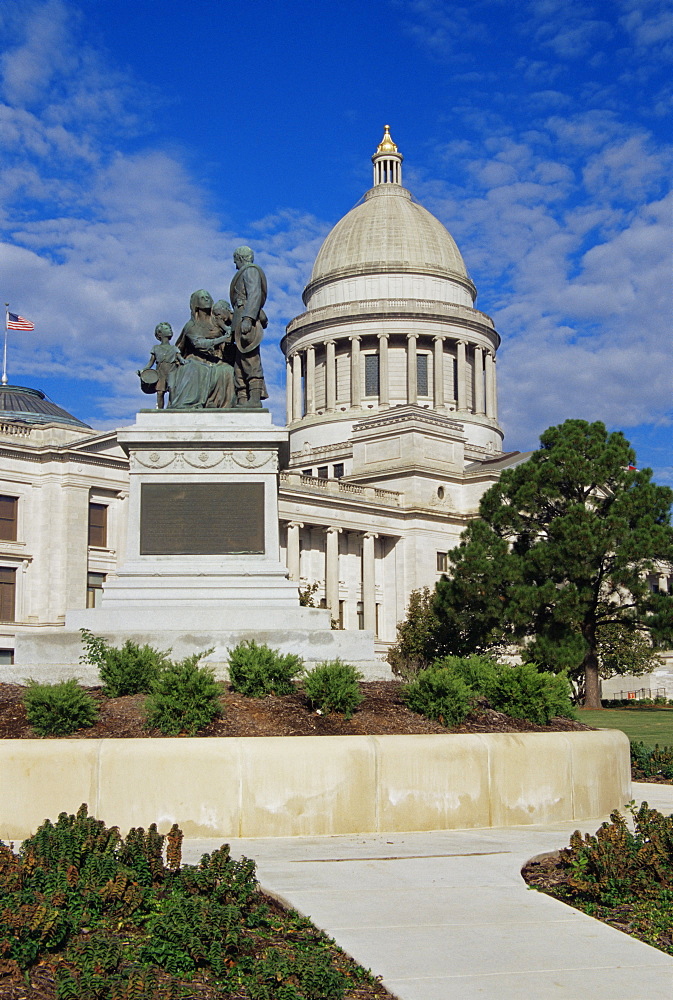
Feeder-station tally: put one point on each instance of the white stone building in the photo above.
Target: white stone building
(391, 407)
(393, 426)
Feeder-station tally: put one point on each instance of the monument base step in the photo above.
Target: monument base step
(54, 654)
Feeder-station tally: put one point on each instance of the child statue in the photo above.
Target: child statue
(167, 358)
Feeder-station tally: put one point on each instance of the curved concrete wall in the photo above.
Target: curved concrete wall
(312, 786)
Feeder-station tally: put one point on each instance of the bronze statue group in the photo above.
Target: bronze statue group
(215, 363)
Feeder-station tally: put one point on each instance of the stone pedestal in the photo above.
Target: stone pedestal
(202, 567)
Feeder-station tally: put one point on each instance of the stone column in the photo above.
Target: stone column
(490, 385)
(384, 372)
(479, 380)
(663, 583)
(369, 580)
(461, 388)
(439, 373)
(495, 390)
(412, 371)
(293, 548)
(310, 379)
(330, 376)
(356, 390)
(288, 391)
(332, 570)
(296, 386)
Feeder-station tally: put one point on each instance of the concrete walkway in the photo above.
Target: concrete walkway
(447, 916)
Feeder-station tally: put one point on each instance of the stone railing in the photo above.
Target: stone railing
(335, 487)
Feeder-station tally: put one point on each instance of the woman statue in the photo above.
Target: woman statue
(206, 379)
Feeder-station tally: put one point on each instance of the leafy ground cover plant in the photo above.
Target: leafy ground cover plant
(101, 917)
(333, 686)
(648, 763)
(131, 669)
(59, 709)
(622, 877)
(257, 670)
(184, 698)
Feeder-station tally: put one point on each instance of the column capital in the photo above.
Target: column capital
(383, 336)
(310, 347)
(295, 524)
(331, 529)
(439, 337)
(330, 342)
(370, 534)
(355, 336)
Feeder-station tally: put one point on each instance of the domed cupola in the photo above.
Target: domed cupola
(390, 321)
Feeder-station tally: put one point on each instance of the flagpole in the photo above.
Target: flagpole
(4, 354)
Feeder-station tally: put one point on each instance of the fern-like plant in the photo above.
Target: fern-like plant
(59, 709)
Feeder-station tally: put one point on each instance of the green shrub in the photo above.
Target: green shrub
(185, 698)
(478, 672)
(525, 692)
(438, 693)
(647, 763)
(333, 687)
(59, 709)
(256, 670)
(133, 669)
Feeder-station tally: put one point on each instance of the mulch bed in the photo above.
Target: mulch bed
(381, 713)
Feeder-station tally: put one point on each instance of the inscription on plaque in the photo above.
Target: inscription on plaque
(201, 519)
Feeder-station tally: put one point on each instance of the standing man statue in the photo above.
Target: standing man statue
(248, 295)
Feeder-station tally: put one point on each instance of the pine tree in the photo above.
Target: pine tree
(560, 557)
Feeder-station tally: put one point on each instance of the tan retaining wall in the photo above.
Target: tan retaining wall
(311, 786)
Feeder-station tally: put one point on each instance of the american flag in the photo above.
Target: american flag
(15, 322)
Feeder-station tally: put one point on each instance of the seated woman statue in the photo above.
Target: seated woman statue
(206, 379)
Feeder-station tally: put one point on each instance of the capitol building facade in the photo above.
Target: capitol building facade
(393, 436)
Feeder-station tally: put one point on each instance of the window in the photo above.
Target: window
(342, 613)
(98, 525)
(6, 657)
(307, 472)
(378, 620)
(422, 374)
(371, 374)
(322, 472)
(361, 615)
(442, 562)
(8, 511)
(7, 594)
(338, 470)
(94, 589)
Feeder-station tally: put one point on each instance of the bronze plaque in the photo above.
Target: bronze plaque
(201, 519)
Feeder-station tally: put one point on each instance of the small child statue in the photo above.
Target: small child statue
(166, 357)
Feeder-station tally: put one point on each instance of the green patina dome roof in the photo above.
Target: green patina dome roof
(30, 406)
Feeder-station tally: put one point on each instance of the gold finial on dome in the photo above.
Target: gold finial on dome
(386, 145)
(387, 161)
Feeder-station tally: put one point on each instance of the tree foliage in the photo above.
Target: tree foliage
(416, 643)
(558, 560)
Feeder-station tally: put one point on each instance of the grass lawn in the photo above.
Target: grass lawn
(651, 725)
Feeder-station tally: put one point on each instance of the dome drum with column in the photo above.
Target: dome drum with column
(390, 321)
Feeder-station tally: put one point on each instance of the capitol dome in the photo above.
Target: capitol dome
(389, 322)
(388, 232)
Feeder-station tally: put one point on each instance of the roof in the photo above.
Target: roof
(388, 231)
(30, 406)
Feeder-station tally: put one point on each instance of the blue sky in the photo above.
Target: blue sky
(141, 143)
